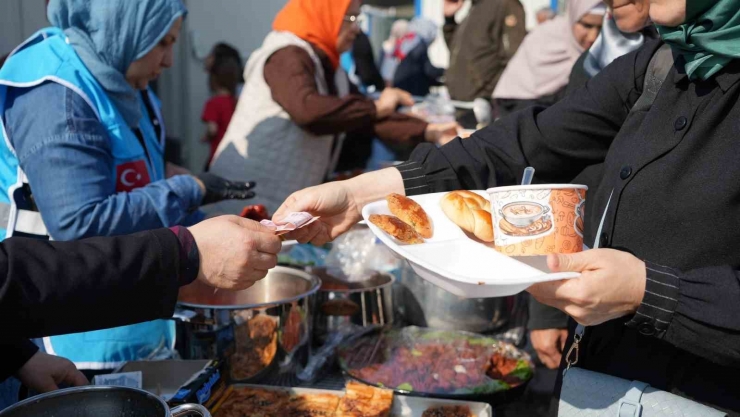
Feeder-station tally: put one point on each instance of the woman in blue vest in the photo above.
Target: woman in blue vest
(83, 142)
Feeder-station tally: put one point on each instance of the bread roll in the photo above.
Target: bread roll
(471, 212)
(410, 212)
(396, 228)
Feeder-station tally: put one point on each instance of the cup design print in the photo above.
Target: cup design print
(539, 221)
(525, 218)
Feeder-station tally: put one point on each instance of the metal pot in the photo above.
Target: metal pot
(96, 401)
(338, 302)
(255, 330)
(423, 304)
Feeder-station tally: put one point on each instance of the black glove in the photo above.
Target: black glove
(218, 189)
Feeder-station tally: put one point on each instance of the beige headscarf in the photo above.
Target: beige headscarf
(543, 63)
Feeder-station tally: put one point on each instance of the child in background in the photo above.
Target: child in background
(223, 78)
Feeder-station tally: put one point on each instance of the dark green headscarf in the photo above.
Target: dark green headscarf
(709, 39)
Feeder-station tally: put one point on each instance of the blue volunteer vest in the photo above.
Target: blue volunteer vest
(139, 160)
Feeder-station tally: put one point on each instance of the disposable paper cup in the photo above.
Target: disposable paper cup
(531, 220)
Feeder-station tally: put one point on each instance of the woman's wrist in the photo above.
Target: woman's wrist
(374, 186)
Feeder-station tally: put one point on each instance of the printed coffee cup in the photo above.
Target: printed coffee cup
(533, 220)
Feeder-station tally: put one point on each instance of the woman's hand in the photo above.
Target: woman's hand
(389, 101)
(611, 285)
(44, 373)
(339, 204)
(549, 345)
(441, 133)
(333, 202)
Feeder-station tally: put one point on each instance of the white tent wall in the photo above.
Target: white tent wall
(19, 19)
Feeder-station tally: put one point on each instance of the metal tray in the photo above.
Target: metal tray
(403, 406)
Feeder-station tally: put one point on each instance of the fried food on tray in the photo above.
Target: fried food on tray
(449, 411)
(359, 401)
(254, 402)
(396, 228)
(471, 212)
(411, 213)
(362, 400)
(312, 405)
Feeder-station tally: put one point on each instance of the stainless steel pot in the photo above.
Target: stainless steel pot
(256, 329)
(423, 304)
(338, 302)
(97, 401)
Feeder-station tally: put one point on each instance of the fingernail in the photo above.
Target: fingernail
(251, 184)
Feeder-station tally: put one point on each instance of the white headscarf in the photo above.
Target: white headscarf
(543, 63)
(610, 45)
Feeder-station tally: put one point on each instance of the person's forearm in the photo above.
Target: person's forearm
(375, 186)
(161, 204)
(695, 311)
(76, 193)
(51, 288)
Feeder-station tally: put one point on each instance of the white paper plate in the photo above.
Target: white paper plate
(459, 264)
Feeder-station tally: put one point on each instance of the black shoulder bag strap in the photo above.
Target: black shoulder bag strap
(657, 71)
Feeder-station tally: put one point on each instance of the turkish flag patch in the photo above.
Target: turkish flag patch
(131, 175)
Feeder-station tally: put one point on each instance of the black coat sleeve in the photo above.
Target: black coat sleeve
(15, 353)
(49, 288)
(559, 142)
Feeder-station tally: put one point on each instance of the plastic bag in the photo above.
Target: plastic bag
(435, 108)
(436, 362)
(304, 255)
(358, 254)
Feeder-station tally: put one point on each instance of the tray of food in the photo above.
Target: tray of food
(357, 400)
(438, 363)
(454, 241)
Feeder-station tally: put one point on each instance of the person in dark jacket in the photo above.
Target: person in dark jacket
(625, 29)
(415, 73)
(481, 45)
(480, 49)
(49, 287)
(364, 59)
(660, 294)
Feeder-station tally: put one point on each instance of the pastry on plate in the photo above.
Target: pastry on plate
(411, 213)
(396, 228)
(471, 212)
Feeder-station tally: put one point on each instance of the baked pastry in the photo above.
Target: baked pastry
(396, 228)
(411, 213)
(312, 405)
(255, 402)
(448, 411)
(471, 212)
(362, 400)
